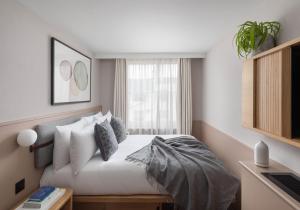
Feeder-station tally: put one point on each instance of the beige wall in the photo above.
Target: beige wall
(221, 84)
(228, 149)
(25, 64)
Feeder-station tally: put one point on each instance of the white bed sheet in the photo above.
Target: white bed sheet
(115, 176)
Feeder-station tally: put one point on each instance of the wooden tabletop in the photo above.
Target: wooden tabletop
(67, 197)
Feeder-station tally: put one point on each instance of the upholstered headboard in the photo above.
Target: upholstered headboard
(43, 156)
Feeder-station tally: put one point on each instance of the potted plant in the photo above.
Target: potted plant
(253, 37)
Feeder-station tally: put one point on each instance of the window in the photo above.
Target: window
(152, 96)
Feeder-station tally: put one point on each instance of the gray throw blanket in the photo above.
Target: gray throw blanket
(189, 172)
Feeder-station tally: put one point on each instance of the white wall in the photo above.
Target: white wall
(25, 64)
(221, 83)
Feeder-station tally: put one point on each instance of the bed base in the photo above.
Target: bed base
(122, 199)
(122, 202)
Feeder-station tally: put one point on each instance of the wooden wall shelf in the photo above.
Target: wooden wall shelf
(293, 142)
(293, 42)
(269, 93)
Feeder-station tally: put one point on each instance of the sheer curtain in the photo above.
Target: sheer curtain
(152, 96)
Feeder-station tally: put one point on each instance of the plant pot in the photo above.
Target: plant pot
(268, 44)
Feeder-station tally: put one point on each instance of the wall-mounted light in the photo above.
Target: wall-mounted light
(27, 137)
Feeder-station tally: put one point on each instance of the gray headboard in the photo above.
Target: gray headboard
(43, 156)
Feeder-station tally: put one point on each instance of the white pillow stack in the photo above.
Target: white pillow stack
(90, 119)
(99, 115)
(61, 149)
(101, 119)
(76, 143)
(82, 147)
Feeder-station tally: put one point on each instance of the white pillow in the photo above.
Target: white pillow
(61, 154)
(98, 115)
(107, 116)
(90, 119)
(82, 147)
(101, 119)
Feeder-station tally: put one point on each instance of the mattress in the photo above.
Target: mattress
(113, 177)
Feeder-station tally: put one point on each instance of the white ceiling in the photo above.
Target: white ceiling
(145, 26)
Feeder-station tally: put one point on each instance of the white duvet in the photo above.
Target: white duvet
(115, 176)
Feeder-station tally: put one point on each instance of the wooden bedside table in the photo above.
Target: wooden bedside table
(64, 203)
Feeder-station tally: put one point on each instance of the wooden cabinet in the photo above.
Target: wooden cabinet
(267, 93)
(248, 94)
(259, 193)
(273, 93)
(270, 89)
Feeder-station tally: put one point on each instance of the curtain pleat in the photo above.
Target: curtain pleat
(120, 90)
(184, 97)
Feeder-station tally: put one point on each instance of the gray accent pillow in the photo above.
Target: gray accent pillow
(119, 128)
(45, 132)
(106, 139)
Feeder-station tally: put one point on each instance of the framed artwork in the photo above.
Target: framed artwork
(70, 74)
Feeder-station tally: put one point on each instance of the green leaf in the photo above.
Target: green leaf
(251, 35)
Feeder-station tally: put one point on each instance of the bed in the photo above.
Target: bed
(177, 162)
(113, 177)
(129, 189)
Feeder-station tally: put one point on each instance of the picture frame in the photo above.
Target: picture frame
(71, 73)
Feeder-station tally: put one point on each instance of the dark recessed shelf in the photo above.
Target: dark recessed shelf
(288, 182)
(295, 92)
